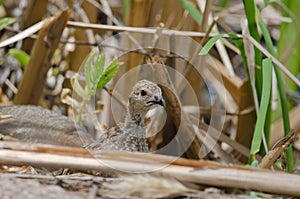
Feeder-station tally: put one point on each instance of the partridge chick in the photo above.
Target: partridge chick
(131, 135)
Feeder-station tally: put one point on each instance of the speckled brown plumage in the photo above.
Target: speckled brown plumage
(131, 135)
(35, 124)
(38, 125)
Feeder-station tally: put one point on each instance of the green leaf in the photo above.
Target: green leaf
(250, 10)
(194, 12)
(235, 38)
(126, 9)
(281, 85)
(206, 48)
(266, 2)
(21, 56)
(264, 104)
(1, 2)
(6, 21)
(93, 70)
(89, 70)
(95, 75)
(56, 53)
(98, 70)
(109, 73)
(77, 87)
(240, 44)
(55, 71)
(266, 34)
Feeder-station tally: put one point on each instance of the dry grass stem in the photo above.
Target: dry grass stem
(274, 60)
(203, 172)
(278, 150)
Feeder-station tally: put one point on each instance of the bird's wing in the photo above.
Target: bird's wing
(108, 141)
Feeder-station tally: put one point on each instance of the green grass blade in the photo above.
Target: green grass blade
(223, 3)
(251, 17)
(235, 38)
(270, 47)
(240, 44)
(281, 90)
(21, 56)
(207, 47)
(194, 12)
(266, 2)
(264, 104)
(6, 21)
(266, 34)
(289, 41)
(126, 10)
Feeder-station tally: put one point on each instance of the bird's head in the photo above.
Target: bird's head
(144, 96)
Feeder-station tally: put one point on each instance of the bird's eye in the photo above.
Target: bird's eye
(143, 92)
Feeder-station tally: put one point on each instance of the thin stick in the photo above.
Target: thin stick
(36, 27)
(206, 14)
(274, 60)
(136, 29)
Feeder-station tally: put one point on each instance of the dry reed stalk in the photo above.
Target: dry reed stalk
(87, 13)
(34, 12)
(200, 172)
(32, 84)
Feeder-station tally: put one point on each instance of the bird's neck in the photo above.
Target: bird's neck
(134, 117)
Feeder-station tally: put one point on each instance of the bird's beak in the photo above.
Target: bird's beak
(159, 101)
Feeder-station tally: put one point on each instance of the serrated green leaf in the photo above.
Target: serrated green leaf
(77, 87)
(206, 48)
(22, 57)
(194, 12)
(109, 73)
(6, 21)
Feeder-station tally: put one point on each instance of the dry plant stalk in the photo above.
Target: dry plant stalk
(278, 150)
(179, 117)
(241, 94)
(5, 117)
(32, 84)
(34, 13)
(184, 170)
(87, 13)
